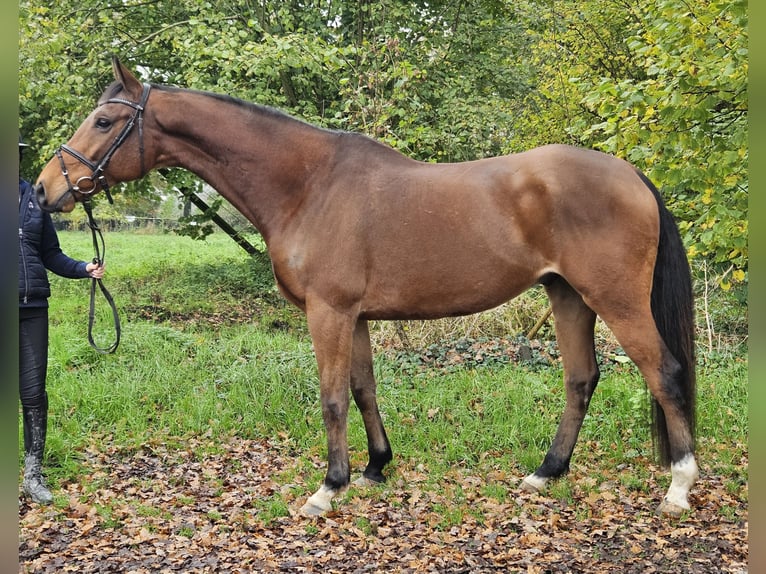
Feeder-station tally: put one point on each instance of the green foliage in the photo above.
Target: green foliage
(441, 87)
(408, 73)
(685, 123)
(662, 84)
(199, 225)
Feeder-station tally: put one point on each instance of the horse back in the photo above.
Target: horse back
(409, 239)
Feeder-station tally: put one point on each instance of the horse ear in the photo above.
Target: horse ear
(124, 76)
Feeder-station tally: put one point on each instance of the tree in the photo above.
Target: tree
(664, 85)
(421, 76)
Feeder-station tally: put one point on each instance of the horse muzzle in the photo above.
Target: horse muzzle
(65, 202)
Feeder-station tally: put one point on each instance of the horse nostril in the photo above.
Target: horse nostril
(40, 193)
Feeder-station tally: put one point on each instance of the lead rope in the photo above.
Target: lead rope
(100, 249)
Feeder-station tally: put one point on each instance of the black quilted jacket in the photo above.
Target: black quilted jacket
(39, 250)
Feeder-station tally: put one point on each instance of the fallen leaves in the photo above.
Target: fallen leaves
(210, 507)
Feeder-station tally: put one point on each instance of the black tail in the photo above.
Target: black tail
(673, 311)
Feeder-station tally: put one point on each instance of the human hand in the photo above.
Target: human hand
(95, 270)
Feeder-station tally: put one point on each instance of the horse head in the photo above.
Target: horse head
(106, 149)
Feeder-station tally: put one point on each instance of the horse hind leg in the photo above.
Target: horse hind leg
(671, 387)
(575, 322)
(672, 425)
(363, 389)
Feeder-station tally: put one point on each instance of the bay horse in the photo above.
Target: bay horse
(357, 231)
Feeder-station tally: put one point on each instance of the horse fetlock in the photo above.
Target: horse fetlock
(685, 472)
(374, 476)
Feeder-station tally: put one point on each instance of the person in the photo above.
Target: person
(39, 251)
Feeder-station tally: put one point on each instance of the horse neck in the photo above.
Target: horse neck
(258, 159)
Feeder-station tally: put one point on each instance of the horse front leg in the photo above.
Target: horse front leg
(363, 389)
(332, 334)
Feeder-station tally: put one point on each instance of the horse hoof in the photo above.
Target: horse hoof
(363, 481)
(310, 510)
(533, 484)
(670, 509)
(319, 503)
(528, 487)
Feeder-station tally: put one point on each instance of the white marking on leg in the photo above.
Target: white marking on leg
(319, 502)
(685, 473)
(533, 483)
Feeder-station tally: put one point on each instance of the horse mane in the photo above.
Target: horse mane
(259, 109)
(350, 137)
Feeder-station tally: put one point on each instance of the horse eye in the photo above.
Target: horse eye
(103, 123)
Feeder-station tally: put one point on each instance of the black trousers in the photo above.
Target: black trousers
(33, 356)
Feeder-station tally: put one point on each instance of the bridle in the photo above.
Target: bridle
(86, 184)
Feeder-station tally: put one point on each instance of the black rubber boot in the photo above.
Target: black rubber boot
(35, 430)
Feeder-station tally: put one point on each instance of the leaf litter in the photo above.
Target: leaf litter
(231, 506)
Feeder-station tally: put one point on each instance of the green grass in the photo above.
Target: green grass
(209, 347)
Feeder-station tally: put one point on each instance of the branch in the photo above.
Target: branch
(149, 37)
